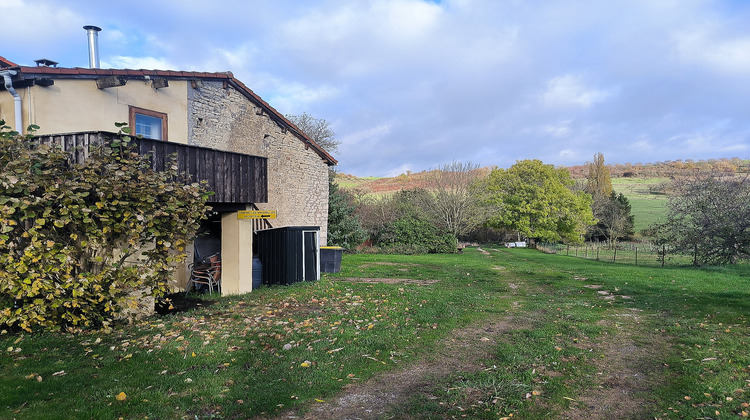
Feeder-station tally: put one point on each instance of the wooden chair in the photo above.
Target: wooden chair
(206, 271)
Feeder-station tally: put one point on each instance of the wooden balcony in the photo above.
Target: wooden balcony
(235, 178)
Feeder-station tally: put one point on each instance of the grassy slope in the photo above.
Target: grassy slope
(647, 208)
(227, 359)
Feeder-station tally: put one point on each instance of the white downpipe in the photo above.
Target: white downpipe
(16, 98)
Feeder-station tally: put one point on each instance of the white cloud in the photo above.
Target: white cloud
(571, 90)
(370, 134)
(560, 130)
(568, 154)
(706, 47)
(147, 63)
(402, 169)
(292, 96)
(642, 146)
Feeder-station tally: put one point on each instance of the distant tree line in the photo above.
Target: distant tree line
(463, 202)
(709, 206)
(668, 169)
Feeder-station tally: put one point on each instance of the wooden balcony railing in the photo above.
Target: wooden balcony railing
(235, 178)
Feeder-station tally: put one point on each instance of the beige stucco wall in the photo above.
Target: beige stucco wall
(297, 176)
(208, 115)
(6, 108)
(78, 105)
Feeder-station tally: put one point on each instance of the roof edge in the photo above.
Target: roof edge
(4, 62)
(283, 120)
(229, 76)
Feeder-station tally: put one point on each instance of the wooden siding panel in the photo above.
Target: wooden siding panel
(234, 177)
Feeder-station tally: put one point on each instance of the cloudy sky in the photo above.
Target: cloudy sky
(414, 84)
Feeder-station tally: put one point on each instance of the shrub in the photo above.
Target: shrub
(414, 236)
(344, 227)
(77, 239)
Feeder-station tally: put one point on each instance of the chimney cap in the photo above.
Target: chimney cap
(43, 62)
(92, 27)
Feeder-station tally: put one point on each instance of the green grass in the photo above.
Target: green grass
(354, 182)
(647, 207)
(642, 254)
(227, 359)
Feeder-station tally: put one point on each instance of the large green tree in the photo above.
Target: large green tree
(537, 201)
(615, 220)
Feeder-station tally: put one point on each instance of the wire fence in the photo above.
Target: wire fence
(636, 253)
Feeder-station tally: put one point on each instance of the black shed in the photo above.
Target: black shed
(289, 254)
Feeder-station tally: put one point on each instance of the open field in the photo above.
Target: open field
(647, 207)
(353, 182)
(483, 334)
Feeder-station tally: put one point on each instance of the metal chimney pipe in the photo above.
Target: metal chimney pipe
(93, 33)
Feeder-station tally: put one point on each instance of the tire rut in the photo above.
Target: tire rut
(462, 351)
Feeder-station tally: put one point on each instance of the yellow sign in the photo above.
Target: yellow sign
(256, 214)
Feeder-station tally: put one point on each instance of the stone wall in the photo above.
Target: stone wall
(224, 118)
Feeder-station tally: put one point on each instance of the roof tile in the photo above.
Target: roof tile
(75, 71)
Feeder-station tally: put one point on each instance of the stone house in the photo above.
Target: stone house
(242, 139)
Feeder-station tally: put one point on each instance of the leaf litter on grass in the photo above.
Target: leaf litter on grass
(623, 372)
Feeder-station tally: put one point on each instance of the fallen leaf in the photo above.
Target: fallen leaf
(121, 396)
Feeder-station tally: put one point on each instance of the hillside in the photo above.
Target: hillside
(649, 175)
(641, 183)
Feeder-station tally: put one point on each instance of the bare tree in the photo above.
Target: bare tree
(455, 208)
(317, 129)
(709, 217)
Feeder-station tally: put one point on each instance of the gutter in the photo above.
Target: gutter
(16, 98)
